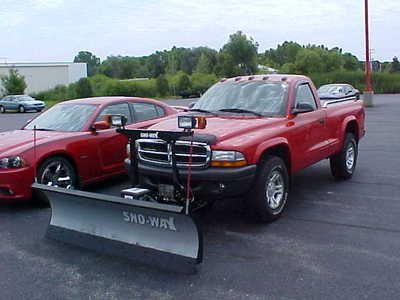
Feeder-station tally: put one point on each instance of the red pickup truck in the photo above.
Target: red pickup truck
(260, 130)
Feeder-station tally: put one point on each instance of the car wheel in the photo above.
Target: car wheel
(58, 172)
(21, 109)
(38, 110)
(2, 109)
(270, 192)
(344, 163)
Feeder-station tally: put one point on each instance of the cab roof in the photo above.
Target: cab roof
(108, 100)
(267, 77)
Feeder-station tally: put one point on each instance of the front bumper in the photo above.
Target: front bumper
(34, 107)
(15, 184)
(212, 182)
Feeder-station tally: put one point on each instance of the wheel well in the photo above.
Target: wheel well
(63, 155)
(352, 127)
(281, 151)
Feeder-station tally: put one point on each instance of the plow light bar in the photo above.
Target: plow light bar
(192, 122)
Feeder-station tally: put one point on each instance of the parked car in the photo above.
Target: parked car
(260, 130)
(20, 103)
(74, 144)
(339, 92)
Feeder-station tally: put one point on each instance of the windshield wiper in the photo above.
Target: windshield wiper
(44, 129)
(201, 110)
(241, 110)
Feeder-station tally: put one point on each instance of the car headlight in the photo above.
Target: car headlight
(12, 162)
(227, 159)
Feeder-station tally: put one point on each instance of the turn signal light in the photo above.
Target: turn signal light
(228, 164)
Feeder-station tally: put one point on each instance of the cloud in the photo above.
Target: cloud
(47, 3)
(58, 28)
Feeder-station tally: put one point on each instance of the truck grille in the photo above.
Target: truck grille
(159, 152)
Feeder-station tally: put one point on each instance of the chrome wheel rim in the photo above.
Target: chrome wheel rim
(21, 109)
(350, 156)
(2, 110)
(275, 188)
(58, 175)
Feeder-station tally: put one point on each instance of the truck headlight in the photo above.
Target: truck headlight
(227, 159)
(12, 162)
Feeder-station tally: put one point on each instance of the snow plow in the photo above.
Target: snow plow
(150, 226)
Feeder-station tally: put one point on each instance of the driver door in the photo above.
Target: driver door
(309, 132)
(111, 146)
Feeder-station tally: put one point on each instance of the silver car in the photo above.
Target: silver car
(20, 103)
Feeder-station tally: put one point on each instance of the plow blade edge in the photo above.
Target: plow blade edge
(152, 233)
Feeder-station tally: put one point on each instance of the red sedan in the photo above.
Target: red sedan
(75, 145)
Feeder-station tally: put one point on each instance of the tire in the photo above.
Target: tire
(38, 110)
(267, 201)
(2, 109)
(343, 164)
(59, 172)
(21, 109)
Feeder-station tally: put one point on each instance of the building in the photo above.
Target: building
(44, 76)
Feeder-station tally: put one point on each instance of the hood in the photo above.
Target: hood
(17, 141)
(221, 127)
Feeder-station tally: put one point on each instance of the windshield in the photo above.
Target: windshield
(263, 98)
(330, 89)
(63, 117)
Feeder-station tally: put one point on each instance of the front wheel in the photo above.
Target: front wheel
(58, 172)
(21, 109)
(270, 191)
(344, 163)
(2, 109)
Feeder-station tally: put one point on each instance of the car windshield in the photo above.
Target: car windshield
(63, 117)
(254, 97)
(330, 89)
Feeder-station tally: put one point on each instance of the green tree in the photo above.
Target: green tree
(285, 53)
(308, 61)
(204, 64)
(13, 83)
(243, 51)
(184, 83)
(226, 65)
(90, 59)
(83, 88)
(395, 65)
(351, 62)
(162, 85)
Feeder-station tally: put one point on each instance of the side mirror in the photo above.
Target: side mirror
(191, 104)
(101, 125)
(302, 108)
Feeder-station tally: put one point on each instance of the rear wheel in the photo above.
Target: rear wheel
(2, 109)
(344, 163)
(270, 191)
(21, 109)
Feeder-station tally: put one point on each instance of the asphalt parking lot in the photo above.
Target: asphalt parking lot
(336, 240)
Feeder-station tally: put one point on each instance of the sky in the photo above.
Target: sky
(56, 30)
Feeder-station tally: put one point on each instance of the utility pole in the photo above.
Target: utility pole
(368, 91)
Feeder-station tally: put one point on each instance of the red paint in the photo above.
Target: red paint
(306, 139)
(96, 156)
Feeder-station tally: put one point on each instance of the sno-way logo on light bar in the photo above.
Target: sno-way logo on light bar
(153, 221)
(149, 135)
